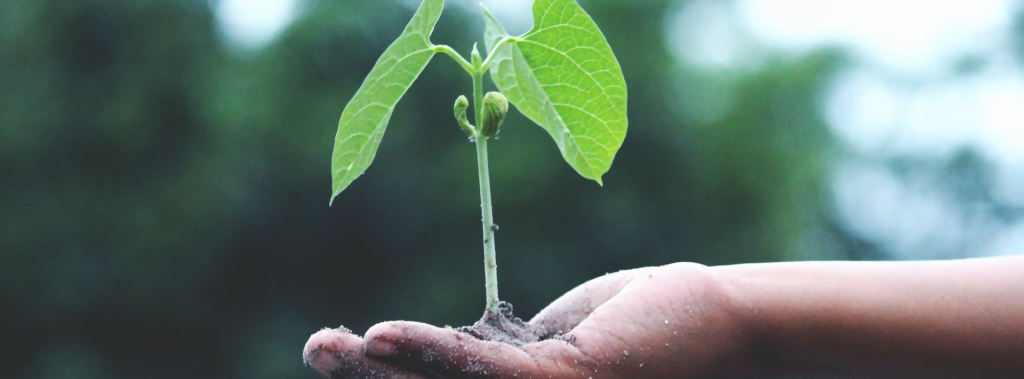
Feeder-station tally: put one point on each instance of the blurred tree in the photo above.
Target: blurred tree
(112, 202)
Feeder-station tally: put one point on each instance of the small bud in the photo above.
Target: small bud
(475, 57)
(461, 104)
(494, 110)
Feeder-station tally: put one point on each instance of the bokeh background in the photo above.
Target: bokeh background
(164, 166)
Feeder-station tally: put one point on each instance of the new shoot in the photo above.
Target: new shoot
(562, 75)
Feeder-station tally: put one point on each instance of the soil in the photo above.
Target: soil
(505, 327)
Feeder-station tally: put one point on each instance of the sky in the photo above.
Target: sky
(251, 24)
(920, 84)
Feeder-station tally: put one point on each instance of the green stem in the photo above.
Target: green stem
(491, 54)
(490, 264)
(455, 55)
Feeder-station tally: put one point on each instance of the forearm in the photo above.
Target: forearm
(884, 319)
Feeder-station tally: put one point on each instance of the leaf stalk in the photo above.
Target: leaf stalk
(491, 54)
(455, 55)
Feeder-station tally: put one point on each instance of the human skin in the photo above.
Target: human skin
(955, 319)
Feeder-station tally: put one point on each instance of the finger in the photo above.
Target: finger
(452, 354)
(338, 354)
(568, 311)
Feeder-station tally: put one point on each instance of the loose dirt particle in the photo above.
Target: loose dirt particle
(504, 327)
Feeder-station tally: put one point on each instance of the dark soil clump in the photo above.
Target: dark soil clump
(504, 327)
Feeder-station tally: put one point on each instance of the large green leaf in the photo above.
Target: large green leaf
(564, 76)
(366, 116)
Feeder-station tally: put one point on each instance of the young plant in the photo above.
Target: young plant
(562, 75)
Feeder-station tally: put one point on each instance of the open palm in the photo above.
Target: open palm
(671, 321)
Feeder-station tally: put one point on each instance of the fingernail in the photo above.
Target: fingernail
(381, 348)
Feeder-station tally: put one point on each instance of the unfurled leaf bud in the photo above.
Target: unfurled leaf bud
(495, 108)
(461, 104)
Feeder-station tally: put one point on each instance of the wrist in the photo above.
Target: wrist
(746, 295)
(725, 311)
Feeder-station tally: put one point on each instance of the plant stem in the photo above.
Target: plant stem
(490, 264)
(455, 55)
(494, 50)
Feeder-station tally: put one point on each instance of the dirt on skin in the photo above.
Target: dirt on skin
(506, 328)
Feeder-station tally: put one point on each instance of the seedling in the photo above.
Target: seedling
(562, 75)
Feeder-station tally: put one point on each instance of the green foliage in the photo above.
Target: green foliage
(366, 116)
(564, 76)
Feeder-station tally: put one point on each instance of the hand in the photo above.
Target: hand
(670, 321)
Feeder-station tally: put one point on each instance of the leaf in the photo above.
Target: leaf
(366, 116)
(564, 76)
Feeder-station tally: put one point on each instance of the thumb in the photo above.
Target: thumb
(452, 354)
(569, 310)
